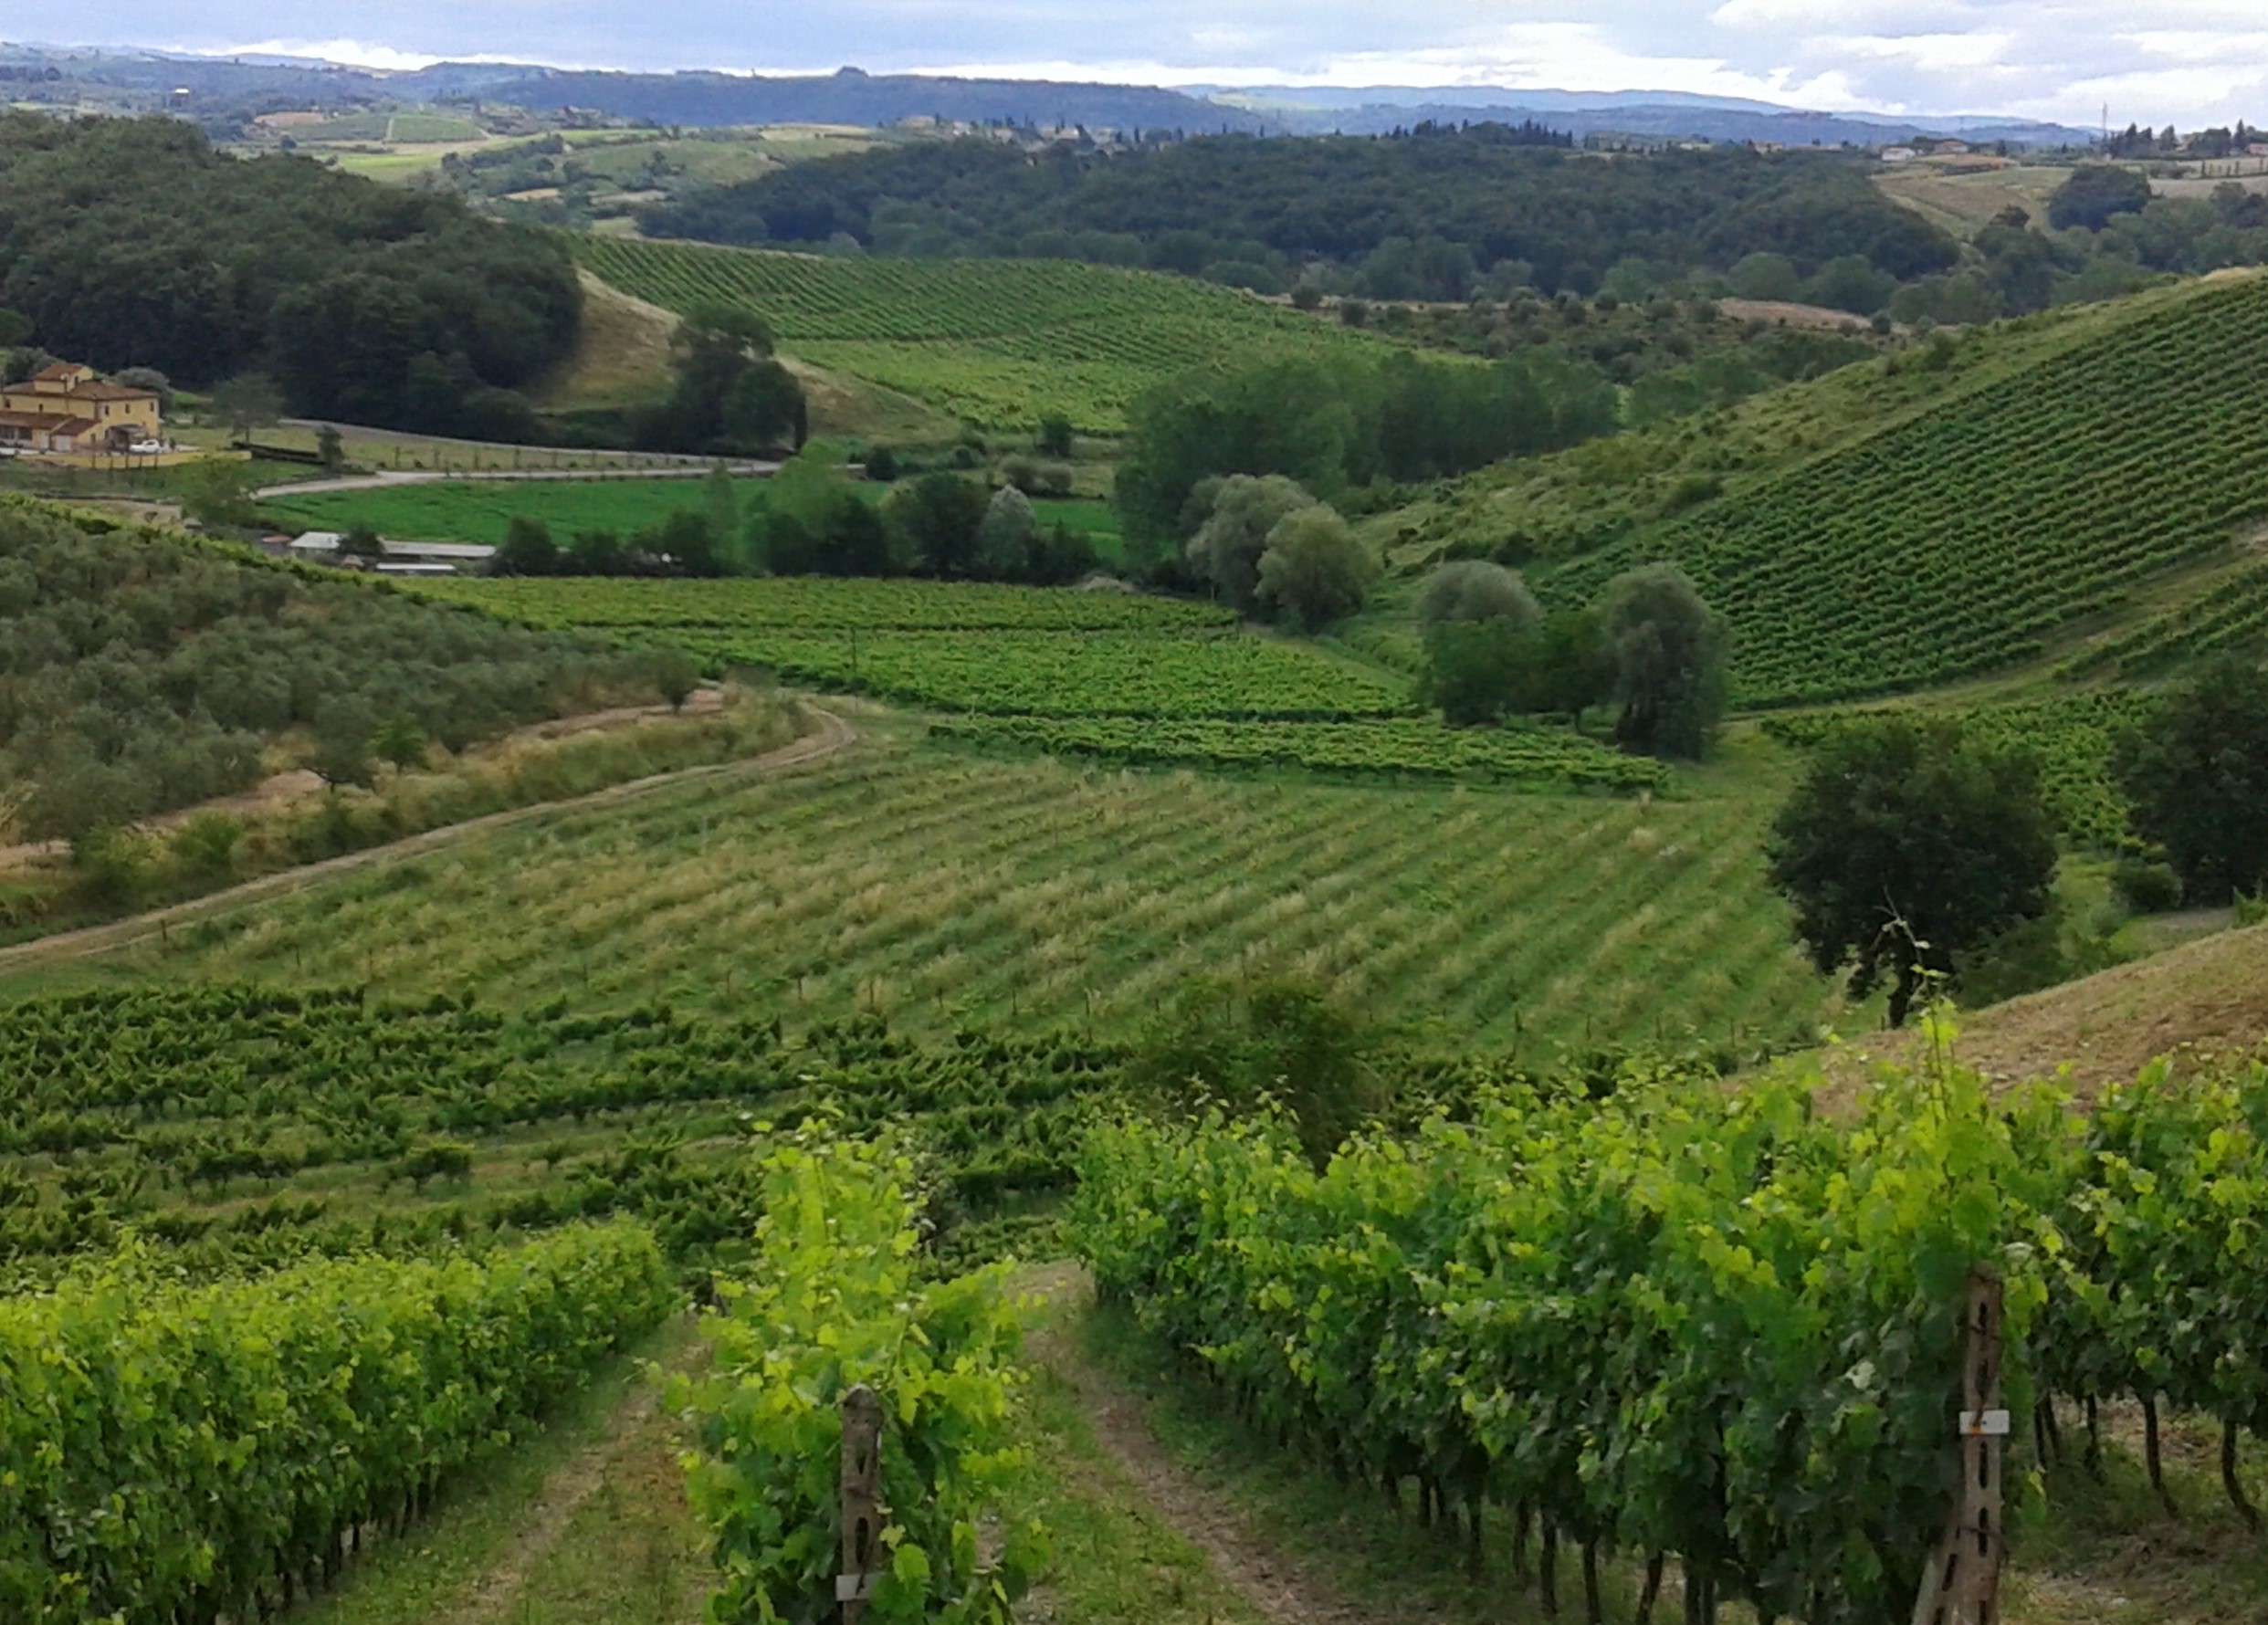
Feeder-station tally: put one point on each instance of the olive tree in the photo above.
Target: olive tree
(1004, 538)
(1475, 590)
(1240, 513)
(1316, 569)
(1669, 653)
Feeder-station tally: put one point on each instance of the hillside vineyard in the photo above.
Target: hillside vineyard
(1966, 539)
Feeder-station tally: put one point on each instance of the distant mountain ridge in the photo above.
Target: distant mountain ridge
(851, 96)
(1666, 114)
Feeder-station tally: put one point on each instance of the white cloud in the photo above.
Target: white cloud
(2185, 61)
(354, 53)
(1933, 53)
(1521, 56)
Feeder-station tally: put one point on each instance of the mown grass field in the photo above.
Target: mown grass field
(1001, 343)
(924, 884)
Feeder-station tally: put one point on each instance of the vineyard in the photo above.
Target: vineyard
(244, 1126)
(836, 1298)
(1062, 674)
(1682, 1322)
(2069, 737)
(936, 887)
(174, 1454)
(822, 604)
(1975, 535)
(2229, 616)
(1125, 677)
(1001, 343)
(1393, 747)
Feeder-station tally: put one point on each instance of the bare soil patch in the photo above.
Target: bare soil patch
(1785, 313)
(2209, 996)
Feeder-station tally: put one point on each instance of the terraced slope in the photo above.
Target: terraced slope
(999, 343)
(1971, 536)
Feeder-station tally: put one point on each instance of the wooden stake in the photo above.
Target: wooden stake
(862, 1499)
(1962, 1584)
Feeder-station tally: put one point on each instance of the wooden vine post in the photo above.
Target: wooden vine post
(1962, 1584)
(862, 1500)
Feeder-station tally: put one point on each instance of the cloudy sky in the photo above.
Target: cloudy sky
(2189, 62)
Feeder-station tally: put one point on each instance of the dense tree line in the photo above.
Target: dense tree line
(2105, 234)
(1649, 646)
(1334, 427)
(813, 520)
(1427, 214)
(133, 243)
(141, 673)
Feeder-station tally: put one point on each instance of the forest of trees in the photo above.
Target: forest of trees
(140, 672)
(133, 242)
(1334, 427)
(1431, 213)
(2105, 234)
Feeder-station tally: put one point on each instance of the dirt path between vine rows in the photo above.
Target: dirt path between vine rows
(1274, 1587)
(833, 735)
(502, 1583)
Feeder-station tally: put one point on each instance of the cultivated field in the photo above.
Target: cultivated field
(1123, 677)
(999, 343)
(930, 885)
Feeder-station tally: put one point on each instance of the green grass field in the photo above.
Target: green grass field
(481, 510)
(999, 343)
(903, 877)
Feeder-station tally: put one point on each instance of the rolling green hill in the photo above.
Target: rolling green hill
(1956, 512)
(999, 343)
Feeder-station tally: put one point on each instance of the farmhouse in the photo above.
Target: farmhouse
(66, 408)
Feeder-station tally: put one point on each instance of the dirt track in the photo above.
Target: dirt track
(1275, 1587)
(832, 735)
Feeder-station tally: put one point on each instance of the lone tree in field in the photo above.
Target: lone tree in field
(1906, 847)
(676, 677)
(1315, 570)
(1669, 655)
(2196, 777)
(528, 549)
(1004, 539)
(732, 393)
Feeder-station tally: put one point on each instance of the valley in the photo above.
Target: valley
(1439, 872)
